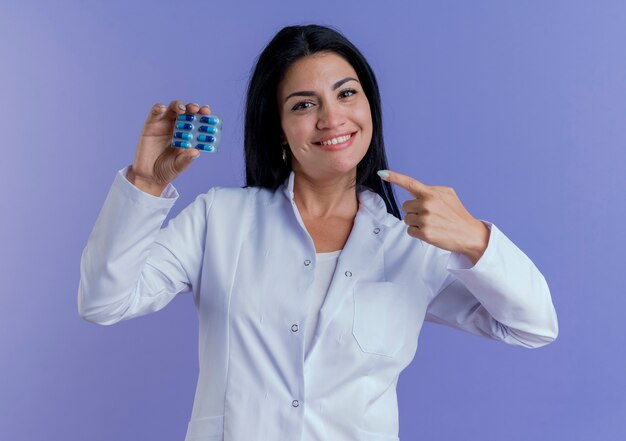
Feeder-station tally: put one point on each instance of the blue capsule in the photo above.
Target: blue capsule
(208, 148)
(184, 126)
(182, 144)
(213, 120)
(206, 138)
(183, 135)
(208, 129)
(186, 117)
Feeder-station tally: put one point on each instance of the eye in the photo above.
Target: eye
(347, 93)
(302, 105)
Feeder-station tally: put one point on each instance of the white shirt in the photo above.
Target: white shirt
(249, 262)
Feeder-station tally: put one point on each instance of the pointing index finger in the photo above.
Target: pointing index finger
(411, 185)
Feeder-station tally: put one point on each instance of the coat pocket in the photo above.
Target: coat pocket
(206, 429)
(379, 317)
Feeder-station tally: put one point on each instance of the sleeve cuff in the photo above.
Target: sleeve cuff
(169, 192)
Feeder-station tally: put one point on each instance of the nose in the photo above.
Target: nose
(330, 116)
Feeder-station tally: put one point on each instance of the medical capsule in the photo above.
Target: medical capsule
(184, 126)
(183, 135)
(206, 138)
(213, 120)
(208, 129)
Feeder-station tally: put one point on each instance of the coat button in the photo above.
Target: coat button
(376, 230)
(294, 328)
(307, 262)
(348, 274)
(295, 403)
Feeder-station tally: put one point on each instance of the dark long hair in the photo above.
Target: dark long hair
(262, 138)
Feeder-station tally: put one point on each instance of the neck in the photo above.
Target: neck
(321, 198)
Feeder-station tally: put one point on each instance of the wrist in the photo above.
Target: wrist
(477, 243)
(146, 185)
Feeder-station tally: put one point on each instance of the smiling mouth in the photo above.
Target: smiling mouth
(337, 140)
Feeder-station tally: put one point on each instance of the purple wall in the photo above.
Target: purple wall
(519, 106)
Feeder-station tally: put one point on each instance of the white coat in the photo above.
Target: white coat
(249, 261)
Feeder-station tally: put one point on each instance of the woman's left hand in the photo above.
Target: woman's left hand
(437, 216)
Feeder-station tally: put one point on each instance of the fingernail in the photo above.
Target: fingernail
(195, 104)
(181, 107)
(383, 174)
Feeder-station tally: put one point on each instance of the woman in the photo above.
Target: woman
(310, 290)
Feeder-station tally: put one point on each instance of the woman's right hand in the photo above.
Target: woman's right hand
(156, 163)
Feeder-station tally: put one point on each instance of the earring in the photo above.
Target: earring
(284, 154)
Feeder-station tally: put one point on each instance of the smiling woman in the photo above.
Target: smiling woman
(311, 291)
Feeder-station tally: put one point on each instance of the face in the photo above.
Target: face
(325, 116)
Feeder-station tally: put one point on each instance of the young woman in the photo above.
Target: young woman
(310, 289)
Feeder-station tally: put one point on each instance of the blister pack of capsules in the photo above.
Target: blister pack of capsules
(197, 131)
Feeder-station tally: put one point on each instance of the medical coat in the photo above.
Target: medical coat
(249, 262)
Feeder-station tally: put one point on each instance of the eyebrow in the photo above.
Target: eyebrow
(336, 86)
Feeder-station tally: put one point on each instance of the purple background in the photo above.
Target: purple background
(519, 106)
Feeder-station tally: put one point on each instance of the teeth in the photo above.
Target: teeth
(336, 141)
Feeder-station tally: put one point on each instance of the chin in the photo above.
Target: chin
(344, 169)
